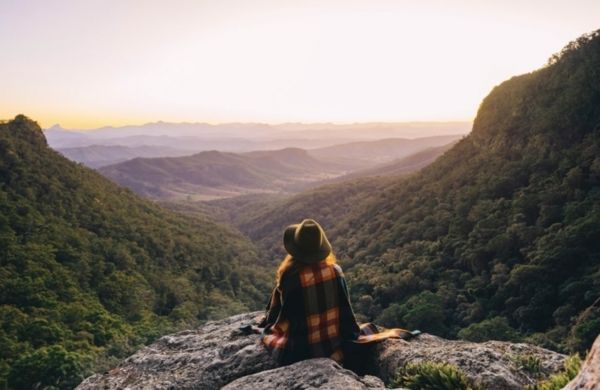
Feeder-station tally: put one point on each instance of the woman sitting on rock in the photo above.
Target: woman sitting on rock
(309, 313)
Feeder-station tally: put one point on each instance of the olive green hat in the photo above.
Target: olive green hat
(306, 242)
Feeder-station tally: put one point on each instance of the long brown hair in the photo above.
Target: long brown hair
(290, 265)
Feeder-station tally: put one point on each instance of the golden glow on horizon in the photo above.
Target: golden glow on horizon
(95, 63)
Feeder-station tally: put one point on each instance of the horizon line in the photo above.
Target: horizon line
(265, 123)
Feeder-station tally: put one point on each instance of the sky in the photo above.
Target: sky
(90, 63)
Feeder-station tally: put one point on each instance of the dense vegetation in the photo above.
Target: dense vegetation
(432, 376)
(263, 218)
(89, 272)
(499, 238)
(501, 233)
(560, 379)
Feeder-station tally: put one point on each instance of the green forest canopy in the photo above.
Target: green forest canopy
(89, 271)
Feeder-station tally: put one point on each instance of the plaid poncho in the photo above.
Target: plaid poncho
(309, 315)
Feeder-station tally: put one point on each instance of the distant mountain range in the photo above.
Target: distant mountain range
(399, 166)
(356, 131)
(96, 156)
(216, 174)
(236, 137)
(367, 154)
(213, 174)
(352, 155)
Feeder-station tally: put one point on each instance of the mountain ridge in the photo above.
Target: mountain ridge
(214, 174)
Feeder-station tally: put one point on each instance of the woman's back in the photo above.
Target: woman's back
(310, 314)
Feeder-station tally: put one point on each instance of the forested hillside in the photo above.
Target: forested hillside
(497, 239)
(263, 219)
(500, 237)
(89, 271)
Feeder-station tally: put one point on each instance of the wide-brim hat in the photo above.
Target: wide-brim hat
(306, 242)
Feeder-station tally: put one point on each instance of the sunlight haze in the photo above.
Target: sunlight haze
(94, 63)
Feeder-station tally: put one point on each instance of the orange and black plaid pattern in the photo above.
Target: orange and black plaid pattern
(309, 315)
(310, 276)
(278, 338)
(323, 326)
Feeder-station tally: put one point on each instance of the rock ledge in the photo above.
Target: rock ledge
(217, 354)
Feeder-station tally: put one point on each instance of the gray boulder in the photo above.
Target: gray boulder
(307, 374)
(218, 354)
(493, 364)
(204, 358)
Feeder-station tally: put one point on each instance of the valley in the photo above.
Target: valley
(215, 174)
(487, 236)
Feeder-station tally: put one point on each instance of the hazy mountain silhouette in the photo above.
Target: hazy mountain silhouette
(368, 153)
(218, 174)
(400, 166)
(244, 137)
(215, 174)
(96, 156)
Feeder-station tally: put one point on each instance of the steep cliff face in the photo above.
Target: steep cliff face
(218, 354)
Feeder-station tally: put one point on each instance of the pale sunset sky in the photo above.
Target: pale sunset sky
(90, 63)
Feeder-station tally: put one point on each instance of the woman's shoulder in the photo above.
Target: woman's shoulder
(313, 273)
(326, 267)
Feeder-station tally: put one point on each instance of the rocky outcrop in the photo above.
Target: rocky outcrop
(204, 358)
(308, 374)
(493, 364)
(589, 375)
(219, 354)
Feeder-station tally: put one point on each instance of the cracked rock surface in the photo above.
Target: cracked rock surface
(204, 358)
(218, 354)
(307, 374)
